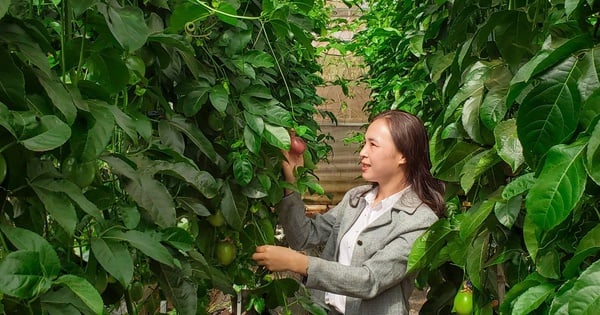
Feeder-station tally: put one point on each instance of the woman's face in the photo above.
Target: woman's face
(380, 160)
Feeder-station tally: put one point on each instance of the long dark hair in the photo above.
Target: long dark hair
(410, 138)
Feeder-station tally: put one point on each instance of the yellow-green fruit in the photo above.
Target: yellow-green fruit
(463, 302)
(226, 252)
(216, 219)
(136, 292)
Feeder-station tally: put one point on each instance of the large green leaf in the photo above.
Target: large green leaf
(428, 245)
(559, 186)
(508, 212)
(59, 207)
(114, 257)
(585, 293)
(234, 214)
(108, 70)
(202, 181)
(178, 286)
(64, 302)
(476, 166)
(532, 280)
(451, 165)
(23, 275)
(518, 186)
(187, 11)
(193, 205)
(531, 236)
(588, 246)
(549, 113)
(19, 40)
(475, 217)
(58, 94)
(277, 136)
(50, 134)
(476, 254)
(589, 65)
(493, 108)
(85, 291)
(193, 96)
(90, 139)
(153, 196)
(145, 243)
(219, 97)
(508, 145)
(12, 81)
(171, 137)
(72, 191)
(243, 170)
(197, 137)
(532, 298)
(592, 156)
(126, 23)
(590, 110)
(473, 87)
(27, 240)
(545, 58)
(4, 7)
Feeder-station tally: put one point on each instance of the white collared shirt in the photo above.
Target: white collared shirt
(369, 214)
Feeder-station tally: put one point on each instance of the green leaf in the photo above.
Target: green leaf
(219, 97)
(23, 275)
(153, 196)
(58, 94)
(63, 302)
(532, 298)
(279, 116)
(533, 279)
(559, 187)
(518, 186)
(473, 86)
(451, 165)
(126, 23)
(202, 181)
(27, 240)
(475, 217)
(585, 293)
(114, 257)
(549, 113)
(508, 212)
(548, 264)
(196, 136)
(4, 4)
(493, 108)
(255, 122)
(85, 291)
(592, 156)
(228, 15)
(590, 110)
(178, 238)
(243, 170)
(589, 81)
(544, 59)
(20, 41)
(476, 255)
(252, 140)
(531, 237)
(12, 81)
(476, 166)
(233, 215)
(277, 136)
(508, 145)
(171, 137)
(179, 287)
(260, 59)
(145, 243)
(128, 124)
(50, 134)
(90, 141)
(192, 97)
(185, 12)
(428, 245)
(470, 117)
(108, 70)
(589, 245)
(72, 191)
(59, 207)
(193, 205)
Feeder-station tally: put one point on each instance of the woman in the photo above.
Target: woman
(369, 234)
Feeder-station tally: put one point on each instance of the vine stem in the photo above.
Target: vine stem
(225, 13)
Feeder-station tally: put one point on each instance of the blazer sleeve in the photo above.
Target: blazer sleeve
(302, 232)
(384, 269)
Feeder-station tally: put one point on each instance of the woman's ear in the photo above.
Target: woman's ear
(401, 159)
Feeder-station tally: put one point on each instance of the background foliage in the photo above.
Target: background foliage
(141, 135)
(510, 93)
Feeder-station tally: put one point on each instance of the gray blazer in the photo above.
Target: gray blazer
(376, 281)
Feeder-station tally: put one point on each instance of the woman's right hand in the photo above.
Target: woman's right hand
(290, 163)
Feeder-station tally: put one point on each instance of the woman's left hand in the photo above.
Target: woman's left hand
(278, 258)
